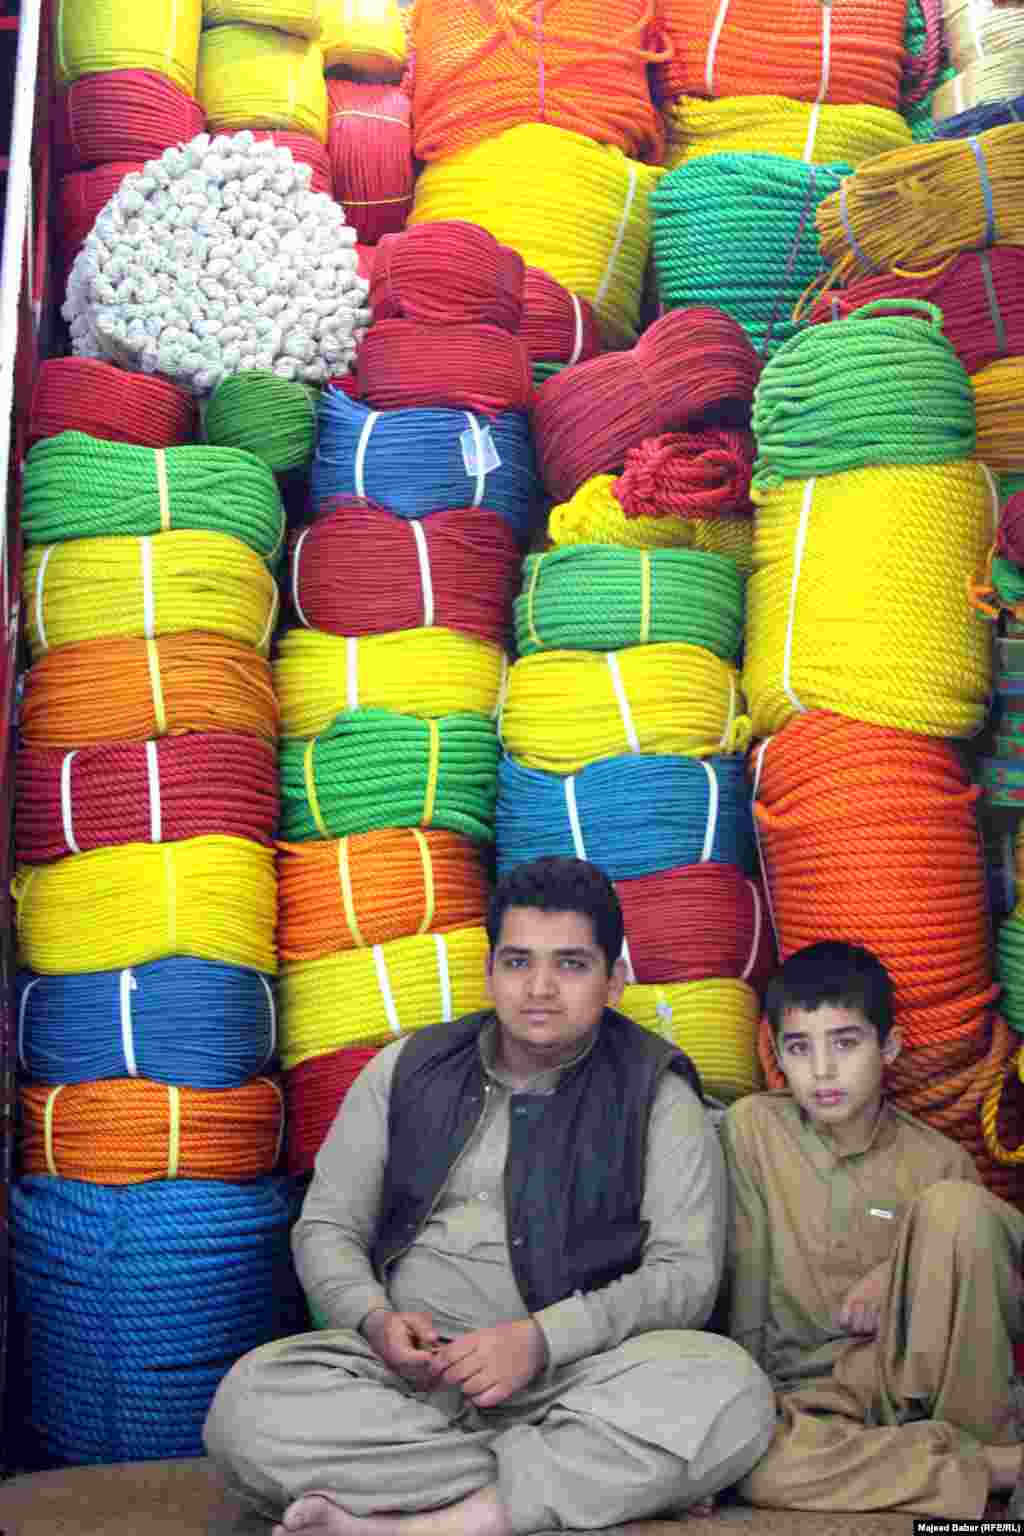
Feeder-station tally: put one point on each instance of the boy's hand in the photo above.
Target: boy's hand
(863, 1305)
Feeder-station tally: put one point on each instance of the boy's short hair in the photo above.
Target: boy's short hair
(554, 884)
(844, 975)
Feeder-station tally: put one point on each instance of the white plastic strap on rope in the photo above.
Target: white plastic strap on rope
(713, 801)
(352, 653)
(425, 578)
(21, 1021)
(758, 765)
(499, 708)
(296, 556)
(364, 438)
(959, 98)
(65, 801)
(163, 491)
(627, 959)
(268, 629)
(128, 986)
(40, 578)
(620, 694)
(478, 450)
(156, 823)
(716, 32)
(148, 606)
(755, 941)
(972, 21)
(993, 491)
(812, 133)
(272, 1005)
(620, 235)
(578, 343)
(574, 816)
(798, 558)
(384, 982)
(826, 51)
(444, 977)
(730, 717)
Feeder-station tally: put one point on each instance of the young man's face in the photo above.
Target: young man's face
(550, 984)
(833, 1064)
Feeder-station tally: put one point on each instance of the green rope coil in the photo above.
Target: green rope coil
(589, 597)
(1009, 485)
(80, 487)
(918, 114)
(1010, 971)
(372, 768)
(543, 371)
(273, 418)
(737, 231)
(849, 394)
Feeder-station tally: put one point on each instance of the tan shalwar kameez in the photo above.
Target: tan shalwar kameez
(635, 1411)
(895, 1421)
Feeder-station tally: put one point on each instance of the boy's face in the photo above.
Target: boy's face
(833, 1063)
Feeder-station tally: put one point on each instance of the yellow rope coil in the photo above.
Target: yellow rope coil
(774, 125)
(595, 516)
(889, 638)
(565, 708)
(371, 996)
(214, 898)
(425, 672)
(302, 18)
(714, 1022)
(999, 412)
(255, 77)
(365, 37)
(579, 210)
(990, 1114)
(92, 37)
(88, 588)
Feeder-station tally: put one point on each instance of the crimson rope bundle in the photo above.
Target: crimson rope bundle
(369, 141)
(81, 197)
(1010, 537)
(485, 369)
(557, 326)
(448, 272)
(457, 569)
(142, 792)
(702, 474)
(688, 363)
(306, 150)
(121, 114)
(313, 1092)
(695, 922)
(84, 394)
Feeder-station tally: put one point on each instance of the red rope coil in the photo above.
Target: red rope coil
(704, 474)
(482, 367)
(695, 922)
(83, 394)
(557, 326)
(81, 197)
(305, 151)
(369, 141)
(448, 273)
(205, 784)
(365, 257)
(1010, 536)
(122, 114)
(471, 555)
(689, 364)
(313, 1094)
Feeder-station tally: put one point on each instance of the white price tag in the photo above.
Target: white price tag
(479, 454)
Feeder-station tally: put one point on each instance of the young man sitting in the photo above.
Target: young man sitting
(870, 1274)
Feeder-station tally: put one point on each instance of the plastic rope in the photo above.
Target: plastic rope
(270, 417)
(81, 394)
(696, 922)
(257, 77)
(369, 140)
(81, 198)
(314, 1091)
(776, 125)
(714, 1022)
(999, 408)
(595, 515)
(366, 37)
(300, 18)
(449, 273)
(121, 114)
(990, 114)
(98, 38)
(486, 370)
(688, 475)
(557, 326)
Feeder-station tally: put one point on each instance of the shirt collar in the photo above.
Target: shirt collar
(824, 1151)
(541, 1082)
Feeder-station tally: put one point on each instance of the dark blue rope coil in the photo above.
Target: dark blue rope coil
(196, 1023)
(635, 815)
(414, 462)
(988, 114)
(131, 1303)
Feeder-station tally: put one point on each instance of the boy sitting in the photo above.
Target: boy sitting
(872, 1277)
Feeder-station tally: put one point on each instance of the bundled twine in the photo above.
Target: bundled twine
(314, 1092)
(989, 114)
(261, 413)
(449, 273)
(485, 369)
(122, 114)
(365, 37)
(105, 36)
(557, 326)
(688, 475)
(713, 1021)
(369, 140)
(1010, 948)
(81, 198)
(458, 569)
(301, 18)
(86, 395)
(258, 77)
(595, 515)
(693, 923)
(305, 149)
(999, 411)
(777, 125)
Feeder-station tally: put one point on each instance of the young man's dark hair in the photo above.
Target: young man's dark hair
(844, 975)
(554, 884)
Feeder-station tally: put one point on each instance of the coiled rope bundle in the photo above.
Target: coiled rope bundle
(989, 114)
(366, 37)
(77, 486)
(980, 295)
(129, 1321)
(890, 637)
(313, 1093)
(557, 326)
(978, 29)
(127, 1131)
(95, 37)
(583, 66)
(834, 397)
(86, 395)
(300, 18)
(369, 140)
(485, 369)
(458, 569)
(913, 208)
(449, 273)
(1010, 951)
(777, 125)
(188, 682)
(426, 672)
(257, 77)
(81, 198)
(577, 209)
(85, 589)
(418, 461)
(305, 150)
(990, 80)
(591, 598)
(214, 898)
(375, 769)
(270, 417)
(999, 409)
(184, 1021)
(714, 1022)
(690, 363)
(353, 892)
(365, 996)
(595, 515)
(134, 792)
(664, 698)
(689, 475)
(121, 114)
(695, 922)
(737, 231)
(632, 816)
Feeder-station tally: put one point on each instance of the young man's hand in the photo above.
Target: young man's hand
(404, 1340)
(863, 1305)
(492, 1363)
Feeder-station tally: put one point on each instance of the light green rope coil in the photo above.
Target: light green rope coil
(273, 418)
(1010, 971)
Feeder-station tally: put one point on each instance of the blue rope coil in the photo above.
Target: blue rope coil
(988, 114)
(635, 815)
(132, 1302)
(414, 462)
(196, 1023)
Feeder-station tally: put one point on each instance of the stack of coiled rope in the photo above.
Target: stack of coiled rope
(369, 140)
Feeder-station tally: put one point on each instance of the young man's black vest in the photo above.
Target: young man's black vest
(574, 1175)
